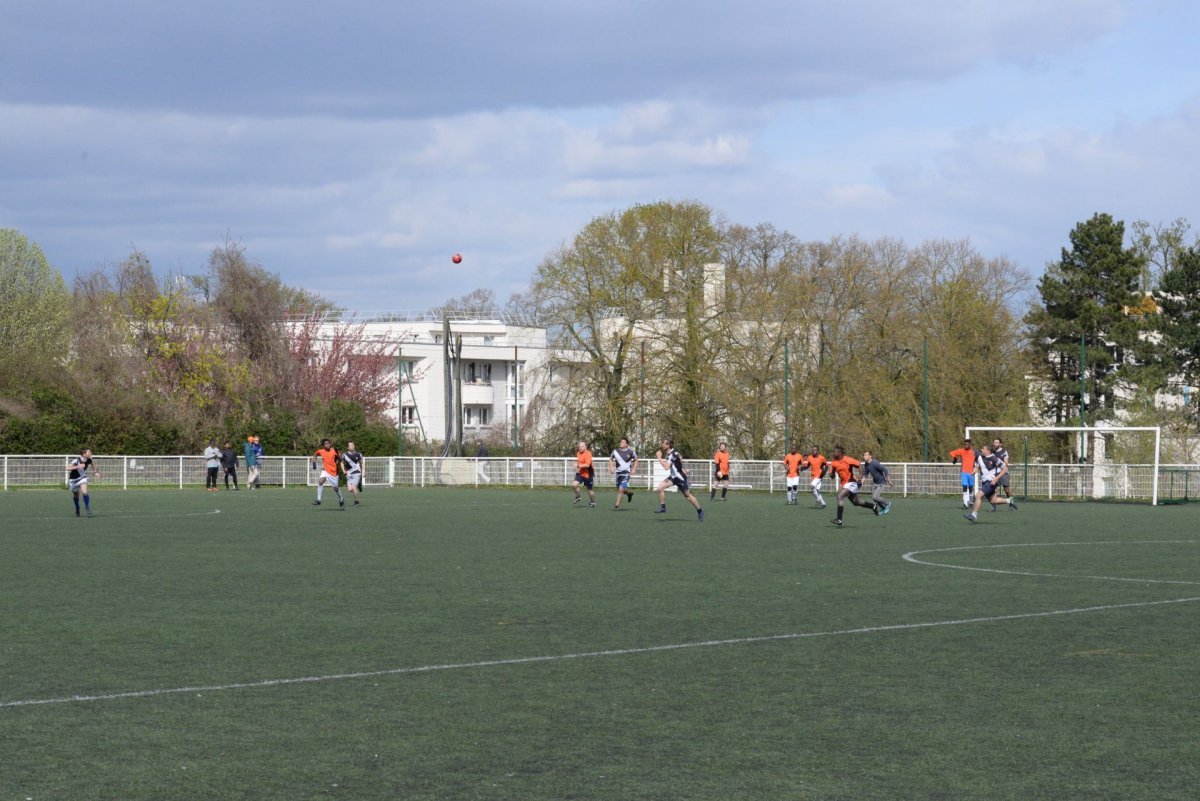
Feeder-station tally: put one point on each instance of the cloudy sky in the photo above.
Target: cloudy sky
(352, 147)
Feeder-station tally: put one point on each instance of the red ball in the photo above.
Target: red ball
(456, 258)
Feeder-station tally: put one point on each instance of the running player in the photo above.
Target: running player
(879, 479)
(624, 461)
(352, 466)
(672, 462)
(77, 479)
(818, 467)
(329, 458)
(585, 474)
(966, 457)
(1006, 479)
(845, 468)
(991, 469)
(791, 463)
(720, 472)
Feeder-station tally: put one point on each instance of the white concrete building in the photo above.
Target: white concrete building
(497, 368)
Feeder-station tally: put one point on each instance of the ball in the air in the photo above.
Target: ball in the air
(456, 258)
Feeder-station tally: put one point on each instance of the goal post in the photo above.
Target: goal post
(1082, 430)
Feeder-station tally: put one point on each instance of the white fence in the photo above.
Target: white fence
(1049, 481)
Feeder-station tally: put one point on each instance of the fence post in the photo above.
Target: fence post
(1049, 482)
(181, 472)
(124, 472)
(283, 460)
(6, 473)
(904, 494)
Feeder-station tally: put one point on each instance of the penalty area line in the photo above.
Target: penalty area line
(529, 660)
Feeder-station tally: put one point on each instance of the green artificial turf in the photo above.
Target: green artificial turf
(511, 645)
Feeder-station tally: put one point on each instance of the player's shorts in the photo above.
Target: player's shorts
(327, 479)
(681, 484)
(793, 482)
(354, 480)
(587, 482)
(719, 476)
(968, 480)
(1004, 480)
(622, 481)
(988, 490)
(815, 483)
(76, 484)
(850, 488)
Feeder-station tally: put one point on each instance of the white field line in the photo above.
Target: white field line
(210, 688)
(67, 515)
(911, 556)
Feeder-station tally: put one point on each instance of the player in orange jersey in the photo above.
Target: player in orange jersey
(818, 467)
(846, 467)
(966, 456)
(720, 472)
(329, 457)
(585, 474)
(791, 463)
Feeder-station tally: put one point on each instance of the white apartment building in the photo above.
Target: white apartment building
(497, 372)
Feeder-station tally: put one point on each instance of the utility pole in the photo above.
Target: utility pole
(787, 392)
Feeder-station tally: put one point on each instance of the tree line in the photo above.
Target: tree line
(128, 362)
(874, 344)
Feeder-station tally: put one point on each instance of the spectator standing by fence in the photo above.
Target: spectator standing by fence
(229, 461)
(212, 463)
(251, 455)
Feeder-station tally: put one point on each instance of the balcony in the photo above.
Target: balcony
(478, 393)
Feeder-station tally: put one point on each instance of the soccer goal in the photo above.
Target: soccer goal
(1125, 464)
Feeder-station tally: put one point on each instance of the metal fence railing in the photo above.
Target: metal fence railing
(1048, 481)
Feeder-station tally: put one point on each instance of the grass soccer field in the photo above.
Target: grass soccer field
(493, 644)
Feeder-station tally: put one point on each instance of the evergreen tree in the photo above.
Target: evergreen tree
(1087, 297)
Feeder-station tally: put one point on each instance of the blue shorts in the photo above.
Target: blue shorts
(622, 481)
(968, 480)
(681, 484)
(587, 482)
(988, 489)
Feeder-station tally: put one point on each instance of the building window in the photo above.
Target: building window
(476, 415)
(408, 415)
(407, 368)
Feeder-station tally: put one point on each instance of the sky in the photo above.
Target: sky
(353, 147)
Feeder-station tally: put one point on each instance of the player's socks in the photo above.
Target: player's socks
(320, 491)
(712, 495)
(87, 502)
(700, 515)
(76, 499)
(662, 509)
(723, 491)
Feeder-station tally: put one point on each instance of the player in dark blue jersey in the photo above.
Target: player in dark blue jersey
(991, 469)
(672, 461)
(77, 479)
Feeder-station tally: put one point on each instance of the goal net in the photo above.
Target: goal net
(1099, 462)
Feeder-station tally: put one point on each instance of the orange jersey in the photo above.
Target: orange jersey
(816, 465)
(721, 460)
(329, 460)
(843, 468)
(583, 463)
(968, 458)
(792, 463)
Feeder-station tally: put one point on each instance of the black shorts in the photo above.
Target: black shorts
(681, 484)
(587, 482)
(1004, 480)
(988, 489)
(719, 476)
